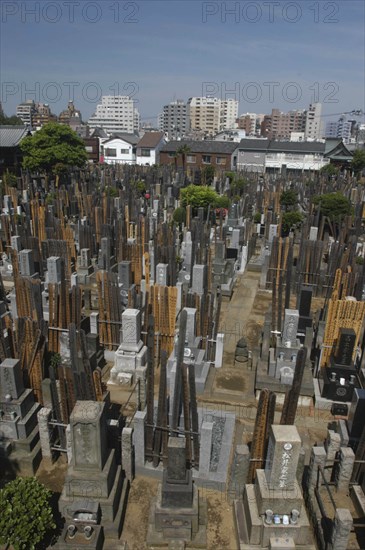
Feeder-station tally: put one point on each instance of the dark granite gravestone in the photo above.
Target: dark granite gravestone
(304, 301)
(355, 421)
(339, 379)
(345, 347)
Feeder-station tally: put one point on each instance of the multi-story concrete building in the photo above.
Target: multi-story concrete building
(116, 114)
(229, 112)
(341, 129)
(250, 123)
(313, 122)
(35, 115)
(280, 125)
(25, 111)
(211, 114)
(42, 115)
(70, 116)
(173, 121)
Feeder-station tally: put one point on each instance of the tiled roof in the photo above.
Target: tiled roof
(11, 136)
(205, 146)
(150, 139)
(296, 146)
(266, 145)
(133, 139)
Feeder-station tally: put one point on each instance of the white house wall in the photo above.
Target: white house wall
(119, 144)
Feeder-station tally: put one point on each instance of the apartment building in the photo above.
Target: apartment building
(341, 129)
(25, 111)
(313, 122)
(173, 119)
(211, 114)
(35, 115)
(250, 123)
(116, 114)
(279, 125)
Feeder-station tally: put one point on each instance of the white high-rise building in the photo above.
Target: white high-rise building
(25, 111)
(229, 113)
(313, 122)
(116, 114)
(211, 114)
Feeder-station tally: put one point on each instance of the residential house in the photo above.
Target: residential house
(199, 154)
(120, 148)
(263, 155)
(10, 153)
(92, 148)
(148, 148)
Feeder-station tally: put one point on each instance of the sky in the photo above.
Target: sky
(267, 54)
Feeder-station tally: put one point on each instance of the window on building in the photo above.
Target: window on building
(171, 155)
(221, 160)
(110, 152)
(191, 158)
(145, 152)
(88, 149)
(124, 151)
(206, 159)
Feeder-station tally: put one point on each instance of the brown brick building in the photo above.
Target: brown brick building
(199, 154)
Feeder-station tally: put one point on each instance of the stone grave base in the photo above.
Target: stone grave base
(27, 454)
(96, 541)
(303, 401)
(188, 525)
(253, 533)
(325, 404)
(263, 380)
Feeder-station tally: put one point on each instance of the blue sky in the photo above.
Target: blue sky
(266, 54)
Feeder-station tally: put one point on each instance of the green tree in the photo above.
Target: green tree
(288, 199)
(10, 179)
(199, 196)
(358, 161)
(179, 215)
(329, 170)
(238, 185)
(53, 149)
(208, 174)
(182, 152)
(290, 220)
(257, 217)
(222, 201)
(10, 120)
(26, 514)
(333, 205)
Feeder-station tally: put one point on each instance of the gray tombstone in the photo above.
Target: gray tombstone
(199, 278)
(282, 457)
(26, 262)
(55, 271)
(162, 274)
(291, 321)
(11, 379)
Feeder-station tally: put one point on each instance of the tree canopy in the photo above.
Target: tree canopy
(200, 196)
(358, 160)
(288, 198)
(10, 120)
(26, 514)
(329, 169)
(333, 205)
(291, 219)
(53, 149)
